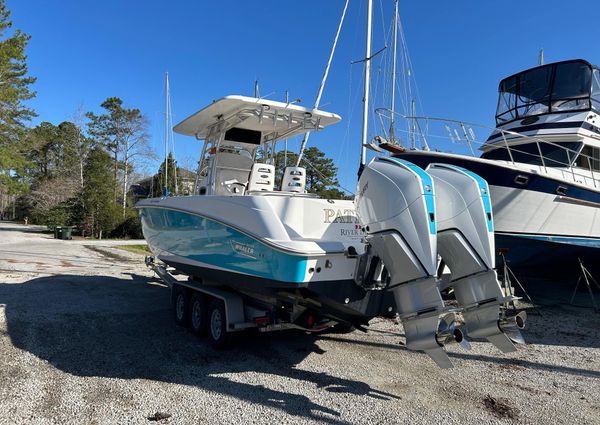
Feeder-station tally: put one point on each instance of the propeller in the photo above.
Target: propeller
(450, 332)
(512, 326)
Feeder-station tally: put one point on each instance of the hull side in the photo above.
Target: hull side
(172, 233)
(211, 251)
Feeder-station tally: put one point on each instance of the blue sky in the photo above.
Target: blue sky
(85, 51)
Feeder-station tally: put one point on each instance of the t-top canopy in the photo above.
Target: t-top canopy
(275, 120)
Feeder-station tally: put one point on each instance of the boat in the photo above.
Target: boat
(239, 230)
(308, 262)
(542, 162)
(260, 252)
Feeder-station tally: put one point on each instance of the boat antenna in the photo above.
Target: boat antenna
(413, 122)
(166, 188)
(365, 124)
(256, 91)
(172, 136)
(323, 80)
(393, 100)
(541, 57)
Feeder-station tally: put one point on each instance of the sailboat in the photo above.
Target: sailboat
(271, 256)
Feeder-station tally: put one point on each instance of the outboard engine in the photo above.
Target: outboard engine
(395, 204)
(409, 216)
(466, 244)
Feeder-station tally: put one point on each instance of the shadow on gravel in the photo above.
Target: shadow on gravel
(558, 325)
(122, 328)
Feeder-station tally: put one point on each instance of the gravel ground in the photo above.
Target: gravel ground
(86, 336)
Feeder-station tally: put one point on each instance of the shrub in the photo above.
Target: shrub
(130, 227)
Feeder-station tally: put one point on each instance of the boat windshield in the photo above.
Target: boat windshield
(559, 87)
(560, 155)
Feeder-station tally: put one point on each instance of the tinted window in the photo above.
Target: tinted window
(596, 89)
(571, 80)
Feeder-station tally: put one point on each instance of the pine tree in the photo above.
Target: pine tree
(123, 133)
(321, 172)
(14, 91)
(159, 178)
(100, 212)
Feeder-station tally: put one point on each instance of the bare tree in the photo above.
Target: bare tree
(123, 132)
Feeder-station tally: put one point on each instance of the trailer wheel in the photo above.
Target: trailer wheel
(198, 318)
(217, 324)
(180, 299)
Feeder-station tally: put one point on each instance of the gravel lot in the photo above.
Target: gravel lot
(86, 336)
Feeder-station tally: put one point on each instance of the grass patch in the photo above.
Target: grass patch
(136, 249)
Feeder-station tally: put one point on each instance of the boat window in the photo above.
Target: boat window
(555, 155)
(571, 88)
(507, 100)
(596, 90)
(565, 86)
(589, 158)
(533, 92)
(243, 135)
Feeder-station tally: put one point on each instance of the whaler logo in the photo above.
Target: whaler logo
(243, 249)
(340, 215)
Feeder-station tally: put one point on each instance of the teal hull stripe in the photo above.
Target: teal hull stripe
(207, 241)
(427, 186)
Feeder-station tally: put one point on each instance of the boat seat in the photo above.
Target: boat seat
(262, 178)
(294, 180)
(232, 173)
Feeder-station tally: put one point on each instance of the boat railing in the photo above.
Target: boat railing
(420, 131)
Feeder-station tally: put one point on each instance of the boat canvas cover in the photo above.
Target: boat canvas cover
(275, 120)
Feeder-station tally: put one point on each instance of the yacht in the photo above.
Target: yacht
(542, 162)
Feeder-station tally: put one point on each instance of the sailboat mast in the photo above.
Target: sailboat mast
(323, 81)
(363, 151)
(393, 100)
(166, 190)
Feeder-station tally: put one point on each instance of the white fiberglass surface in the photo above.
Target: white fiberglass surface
(527, 211)
(295, 223)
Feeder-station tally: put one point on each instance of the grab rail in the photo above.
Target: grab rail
(513, 151)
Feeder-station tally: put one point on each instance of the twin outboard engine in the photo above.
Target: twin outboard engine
(410, 218)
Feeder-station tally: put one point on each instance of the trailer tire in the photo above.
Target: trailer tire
(198, 316)
(217, 325)
(181, 304)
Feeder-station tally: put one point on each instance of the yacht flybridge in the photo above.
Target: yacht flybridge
(263, 253)
(542, 162)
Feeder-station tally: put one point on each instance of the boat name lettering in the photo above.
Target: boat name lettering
(340, 215)
(351, 232)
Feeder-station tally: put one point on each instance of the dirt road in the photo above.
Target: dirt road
(87, 337)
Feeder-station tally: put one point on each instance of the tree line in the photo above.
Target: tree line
(73, 173)
(79, 172)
